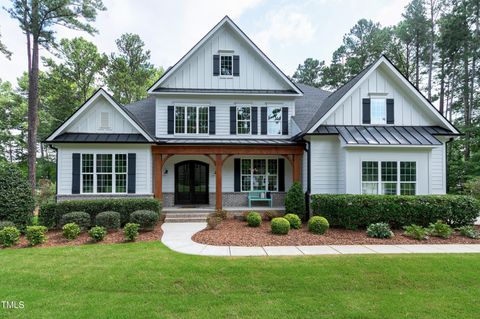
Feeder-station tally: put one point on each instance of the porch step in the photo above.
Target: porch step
(186, 217)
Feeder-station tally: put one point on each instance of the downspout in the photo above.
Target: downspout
(447, 187)
(56, 170)
(307, 194)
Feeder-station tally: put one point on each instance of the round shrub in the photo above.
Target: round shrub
(109, 220)
(6, 223)
(318, 225)
(16, 199)
(145, 218)
(71, 231)
(82, 219)
(97, 233)
(36, 235)
(280, 226)
(294, 221)
(254, 219)
(379, 230)
(130, 231)
(9, 236)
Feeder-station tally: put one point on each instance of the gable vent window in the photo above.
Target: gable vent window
(104, 120)
(226, 65)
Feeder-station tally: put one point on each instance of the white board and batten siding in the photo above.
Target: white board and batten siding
(143, 163)
(101, 117)
(197, 71)
(327, 170)
(380, 84)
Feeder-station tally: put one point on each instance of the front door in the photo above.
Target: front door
(191, 183)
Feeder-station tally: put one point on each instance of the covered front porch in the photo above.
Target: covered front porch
(216, 177)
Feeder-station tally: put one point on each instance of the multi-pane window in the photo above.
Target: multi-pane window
(274, 120)
(226, 65)
(259, 175)
(191, 119)
(244, 118)
(378, 111)
(104, 173)
(389, 178)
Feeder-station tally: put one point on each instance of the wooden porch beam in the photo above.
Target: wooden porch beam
(227, 149)
(218, 181)
(158, 174)
(297, 161)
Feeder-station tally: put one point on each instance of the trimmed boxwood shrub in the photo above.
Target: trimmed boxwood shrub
(82, 219)
(97, 233)
(6, 223)
(130, 231)
(354, 211)
(109, 220)
(16, 199)
(294, 220)
(145, 218)
(9, 236)
(51, 214)
(318, 225)
(295, 200)
(280, 226)
(71, 231)
(36, 235)
(254, 219)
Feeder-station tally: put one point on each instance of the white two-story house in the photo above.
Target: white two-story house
(225, 122)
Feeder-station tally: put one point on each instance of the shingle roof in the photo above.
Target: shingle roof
(307, 105)
(144, 112)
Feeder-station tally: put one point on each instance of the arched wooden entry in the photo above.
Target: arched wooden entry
(191, 183)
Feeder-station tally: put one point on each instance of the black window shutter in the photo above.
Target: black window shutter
(76, 173)
(132, 172)
(284, 120)
(211, 120)
(236, 65)
(254, 120)
(390, 112)
(170, 118)
(236, 179)
(366, 111)
(281, 175)
(263, 120)
(216, 64)
(233, 120)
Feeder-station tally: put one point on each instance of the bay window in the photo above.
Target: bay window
(191, 119)
(104, 173)
(259, 175)
(389, 177)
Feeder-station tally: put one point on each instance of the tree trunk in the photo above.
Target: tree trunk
(430, 53)
(32, 114)
(417, 65)
(466, 104)
(442, 86)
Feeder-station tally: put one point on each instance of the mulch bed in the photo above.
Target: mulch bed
(237, 233)
(55, 238)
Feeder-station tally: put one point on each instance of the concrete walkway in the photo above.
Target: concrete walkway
(178, 237)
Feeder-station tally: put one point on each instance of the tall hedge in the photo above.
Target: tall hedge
(50, 214)
(16, 198)
(295, 200)
(355, 211)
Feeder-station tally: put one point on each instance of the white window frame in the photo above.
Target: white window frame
(249, 120)
(379, 181)
(384, 122)
(197, 125)
(267, 175)
(270, 121)
(226, 76)
(113, 173)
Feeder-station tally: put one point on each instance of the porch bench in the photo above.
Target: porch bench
(259, 196)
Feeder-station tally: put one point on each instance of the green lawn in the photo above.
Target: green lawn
(148, 280)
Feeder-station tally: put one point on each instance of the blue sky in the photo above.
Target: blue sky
(287, 31)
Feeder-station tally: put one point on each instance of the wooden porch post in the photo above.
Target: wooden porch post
(297, 160)
(158, 173)
(218, 181)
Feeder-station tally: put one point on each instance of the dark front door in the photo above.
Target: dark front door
(191, 183)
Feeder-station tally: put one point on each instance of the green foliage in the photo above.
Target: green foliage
(16, 199)
(109, 220)
(469, 231)
(51, 214)
(71, 231)
(82, 219)
(145, 218)
(440, 229)
(295, 200)
(280, 226)
(318, 225)
(309, 73)
(379, 230)
(254, 219)
(35, 235)
(6, 223)
(294, 220)
(416, 232)
(358, 211)
(97, 233)
(9, 236)
(130, 231)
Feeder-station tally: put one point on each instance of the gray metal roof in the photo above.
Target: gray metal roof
(308, 104)
(226, 141)
(232, 91)
(99, 138)
(143, 111)
(385, 135)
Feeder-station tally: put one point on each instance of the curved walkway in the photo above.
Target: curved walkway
(178, 237)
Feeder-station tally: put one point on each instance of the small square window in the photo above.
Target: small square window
(226, 65)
